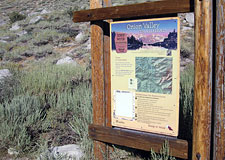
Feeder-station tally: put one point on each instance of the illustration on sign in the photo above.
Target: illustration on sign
(145, 57)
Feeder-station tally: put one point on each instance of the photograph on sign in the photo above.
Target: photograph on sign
(145, 66)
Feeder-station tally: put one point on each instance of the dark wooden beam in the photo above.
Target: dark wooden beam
(138, 140)
(135, 10)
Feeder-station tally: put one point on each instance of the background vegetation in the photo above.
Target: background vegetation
(49, 105)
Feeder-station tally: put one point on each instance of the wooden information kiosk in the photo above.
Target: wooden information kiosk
(208, 119)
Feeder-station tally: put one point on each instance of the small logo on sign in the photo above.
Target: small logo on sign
(121, 42)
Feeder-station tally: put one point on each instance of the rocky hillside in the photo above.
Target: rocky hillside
(30, 31)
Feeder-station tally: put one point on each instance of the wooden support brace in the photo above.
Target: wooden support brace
(138, 140)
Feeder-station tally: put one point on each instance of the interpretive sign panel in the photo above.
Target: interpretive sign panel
(145, 66)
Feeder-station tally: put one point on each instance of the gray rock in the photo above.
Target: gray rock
(4, 73)
(80, 37)
(45, 11)
(66, 60)
(2, 41)
(2, 52)
(186, 28)
(12, 151)
(15, 27)
(35, 20)
(21, 33)
(33, 14)
(72, 151)
(2, 22)
(190, 19)
(187, 61)
(7, 38)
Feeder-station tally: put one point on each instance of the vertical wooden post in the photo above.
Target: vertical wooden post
(97, 78)
(203, 80)
(99, 54)
(107, 68)
(219, 130)
(107, 73)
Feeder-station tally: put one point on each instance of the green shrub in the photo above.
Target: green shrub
(186, 103)
(83, 118)
(40, 101)
(7, 86)
(187, 44)
(19, 120)
(48, 78)
(15, 16)
(13, 56)
(164, 153)
(47, 36)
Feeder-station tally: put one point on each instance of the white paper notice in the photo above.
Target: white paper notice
(124, 104)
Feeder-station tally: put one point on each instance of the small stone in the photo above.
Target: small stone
(32, 14)
(15, 27)
(2, 41)
(187, 60)
(80, 37)
(21, 33)
(190, 19)
(66, 60)
(186, 28)
(71, 151)
(45, 11)
(35, 20)
(12, 151)
(6, 38)
(2, 22)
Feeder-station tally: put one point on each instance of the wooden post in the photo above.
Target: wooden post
(97, 78)
(98, 52)
(107, 68)
(203, 80)
(219, 131)
(107, 74)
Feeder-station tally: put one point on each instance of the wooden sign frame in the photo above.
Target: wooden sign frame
(208, 119)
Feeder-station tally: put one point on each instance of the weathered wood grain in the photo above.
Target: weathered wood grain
(107, 73)
(138, 140)
(100, 81)
(219, 130)
(134, 10)
(97, 78)
(203, 80)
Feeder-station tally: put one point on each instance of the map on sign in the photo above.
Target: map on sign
(145, 57)
(154, 74)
